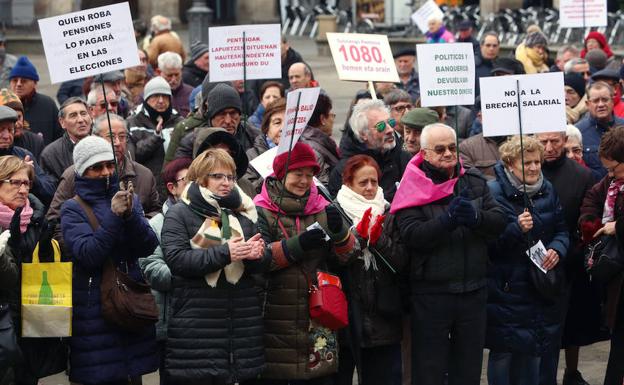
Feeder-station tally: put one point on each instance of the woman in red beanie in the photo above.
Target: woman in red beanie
(304, 234)
(596, 40)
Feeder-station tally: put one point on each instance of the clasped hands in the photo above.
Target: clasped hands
(251, 249)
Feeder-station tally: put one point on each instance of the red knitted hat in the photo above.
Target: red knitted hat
(301, 156)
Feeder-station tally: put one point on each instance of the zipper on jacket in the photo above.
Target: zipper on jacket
(89, 292)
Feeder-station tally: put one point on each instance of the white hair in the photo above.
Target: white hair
(359, 118)
(169, 60)
(102, 120)
(95, 92)
(573, 132)
(434, 17)
(160, 23)
(424, 135)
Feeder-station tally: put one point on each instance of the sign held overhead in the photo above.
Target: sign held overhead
(582, 13)
(297, 115)
(422, 15)
(89, 42)
(262, 54)
(362, 57)
(542, 104)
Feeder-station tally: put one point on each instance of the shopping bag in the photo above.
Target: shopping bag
(47, 296)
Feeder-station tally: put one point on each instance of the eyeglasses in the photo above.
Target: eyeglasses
(98, 167)
(611, 170)
(381, 126)
(111, 103)
(122, 138)
(17, 183)
(180, 179)
(600, 100)
(440, 149)
(402, 108)
(223, 177)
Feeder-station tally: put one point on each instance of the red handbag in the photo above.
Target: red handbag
(328, 303)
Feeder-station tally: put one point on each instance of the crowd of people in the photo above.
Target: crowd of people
(428, 223)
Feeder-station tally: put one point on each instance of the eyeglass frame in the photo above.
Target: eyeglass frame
(439, 151)
(220, 177)
(13, 183)
(381, 125)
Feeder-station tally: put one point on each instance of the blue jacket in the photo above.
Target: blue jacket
(519, 319)
(256, 118)
(99, 352)
(592, 132)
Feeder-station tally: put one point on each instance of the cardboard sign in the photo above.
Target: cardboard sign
(423, 13)
(542, 104)
(263, 163)
(307, 102)
(446, 73)
(362, 57)
(90, 42)
(582, 13)
(262, 52)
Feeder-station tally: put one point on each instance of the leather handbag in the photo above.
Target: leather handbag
(126, 303)
(327, 302)
(604, 258)
(9, 350)
(550, 285)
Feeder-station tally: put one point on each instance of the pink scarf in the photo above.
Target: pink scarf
(316, 203)
(416, 189)
(6, 214)
(608, 214)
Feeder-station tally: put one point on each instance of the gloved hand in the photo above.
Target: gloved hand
(295, 247)
(376, 230)
(466, 214)
(46, 251)
(448, 219)
(334, 220)
(14, 228)
(121, 204)
(363, 227)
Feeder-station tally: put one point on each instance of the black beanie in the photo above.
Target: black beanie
(222, 96)
(576, 82)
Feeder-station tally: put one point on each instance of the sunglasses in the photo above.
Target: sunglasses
(110, 103)
(98, 167)
(381, 126)
(441, 149)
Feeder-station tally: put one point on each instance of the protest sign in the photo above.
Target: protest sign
(446, 73)
(90, 42)
(422, 15)
(262, 54)
(582, 13)
(297, 117)
(542, 104)
(263, 163)
(362, 57)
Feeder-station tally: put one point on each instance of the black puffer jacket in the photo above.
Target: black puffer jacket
(212, 332)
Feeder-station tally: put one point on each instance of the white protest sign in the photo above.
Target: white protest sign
(263, 163)
(582, 13)
(262, 52)
(542, 104)
(307, 102)
(538, 253)
(422, 15)
(89, 42)
(446, 73)
(362, 57)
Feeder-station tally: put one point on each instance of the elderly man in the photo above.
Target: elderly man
(372, 133)
(612, 78)
(141, 177)
(164, 40)
(115, 80)
(484, 63)
(7, 61)
(404, 61)
(39, 110)
(75, 119)
(196, 69)
(43, 186)
(564, 55)
(23, 136)
(445, 237)
(300, 76)
(466, 28)
(399, 102)
(170, 68)
(97, 104)
(413, 123)
(597, 121)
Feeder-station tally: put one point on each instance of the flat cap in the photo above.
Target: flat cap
(7, 113)
(606, 73)
(417, 118)
(405, 52)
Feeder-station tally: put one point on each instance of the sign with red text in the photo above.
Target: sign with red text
(296, 119)
(446, 73)
(90, 42)
(541, 105)
(582, 13)
(362, 57)
(422, 15)
(262, 54)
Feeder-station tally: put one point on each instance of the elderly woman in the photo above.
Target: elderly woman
(522, 324)
(212, 248)
(574, 144)
(371, 280)
(104, 225)
(295, 222)
(437, 32)
(269, 92)
(602, 213)
(532, 53)
(272, 123)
